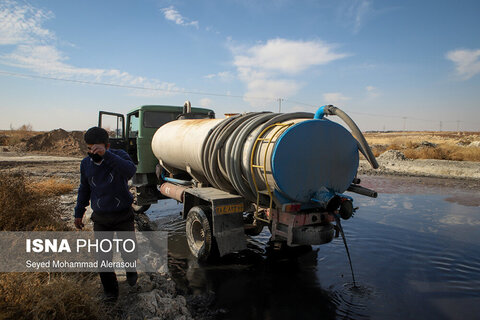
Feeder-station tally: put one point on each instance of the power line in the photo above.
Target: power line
(214, 94)
(107, 84)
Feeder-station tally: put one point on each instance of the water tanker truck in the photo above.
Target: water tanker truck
(234, 176)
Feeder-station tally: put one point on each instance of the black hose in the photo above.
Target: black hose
(362, 143)
(217, 158)
(227, 149)
(207, 149)
(237, 175)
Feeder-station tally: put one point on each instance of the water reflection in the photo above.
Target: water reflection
(414, 256)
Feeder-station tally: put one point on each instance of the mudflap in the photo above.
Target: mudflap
(229, 232)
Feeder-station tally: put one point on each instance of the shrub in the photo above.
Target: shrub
(33, 207)
(50, 296)
(24, 210)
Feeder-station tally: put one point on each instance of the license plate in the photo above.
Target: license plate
(230, 208)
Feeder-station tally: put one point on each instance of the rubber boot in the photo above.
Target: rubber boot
(110, 285)
(132, 278)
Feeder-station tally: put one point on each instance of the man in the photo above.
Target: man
(104, 176)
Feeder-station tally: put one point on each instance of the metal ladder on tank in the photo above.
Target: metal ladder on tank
(263, 167)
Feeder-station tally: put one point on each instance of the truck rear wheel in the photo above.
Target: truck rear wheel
(199, 233)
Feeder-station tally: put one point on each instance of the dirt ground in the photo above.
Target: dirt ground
(156, 295)
(393, 162)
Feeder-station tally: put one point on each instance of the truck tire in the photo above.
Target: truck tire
(199, 234)
(136, 208)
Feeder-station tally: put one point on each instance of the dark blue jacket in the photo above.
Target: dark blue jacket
(105, 184)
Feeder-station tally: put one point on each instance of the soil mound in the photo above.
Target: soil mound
(392, 155)
(57, 142)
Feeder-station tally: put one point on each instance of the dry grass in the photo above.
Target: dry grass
(42, 295)
(50, 296)
(456, 153)
(50, 187)
(24, 210)
(448, 145)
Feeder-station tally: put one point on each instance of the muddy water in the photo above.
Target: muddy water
(415, 256)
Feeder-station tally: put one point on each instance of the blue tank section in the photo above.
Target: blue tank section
(314, 159)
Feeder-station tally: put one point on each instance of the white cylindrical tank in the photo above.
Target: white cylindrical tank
(178, 145)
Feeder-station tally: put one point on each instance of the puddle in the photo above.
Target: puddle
(414, 256)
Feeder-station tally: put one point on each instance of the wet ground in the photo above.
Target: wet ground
(415, 253)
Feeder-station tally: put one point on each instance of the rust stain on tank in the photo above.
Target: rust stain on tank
(190, 123)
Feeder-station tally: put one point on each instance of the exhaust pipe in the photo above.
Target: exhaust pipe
(363, 191)
(173, 191)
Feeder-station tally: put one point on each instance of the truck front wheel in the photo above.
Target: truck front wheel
(199, 233)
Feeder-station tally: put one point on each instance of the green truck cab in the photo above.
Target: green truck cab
(136, 137)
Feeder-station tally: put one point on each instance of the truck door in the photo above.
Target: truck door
(114, 123)
(133, 127)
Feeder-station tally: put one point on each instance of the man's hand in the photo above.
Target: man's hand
(79, 224)
(98, 149)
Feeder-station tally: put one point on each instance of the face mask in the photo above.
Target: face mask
(95, 157)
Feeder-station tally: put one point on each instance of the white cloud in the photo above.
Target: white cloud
(356, 13)
(335, 98)
(22, 23)
(297, 108)
(223, 76)
(467, 62)
(35, 50)
(372, 92)
(287, 56)
(206, 102)
(264, 67)
(261, 89)
(172, 14)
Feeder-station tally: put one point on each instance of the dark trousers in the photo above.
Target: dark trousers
(107, 224)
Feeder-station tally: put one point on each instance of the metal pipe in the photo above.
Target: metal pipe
(187, 107)
(173, 191)
(363, 191)
(176, 181)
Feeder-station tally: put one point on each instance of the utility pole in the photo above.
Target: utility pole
(440, 125)
(280, 104)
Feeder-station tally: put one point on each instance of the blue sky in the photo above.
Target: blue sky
(380, 61)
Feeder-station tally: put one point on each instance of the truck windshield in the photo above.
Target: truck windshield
(153, 119)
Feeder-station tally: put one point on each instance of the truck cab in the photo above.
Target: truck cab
(135, 137)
